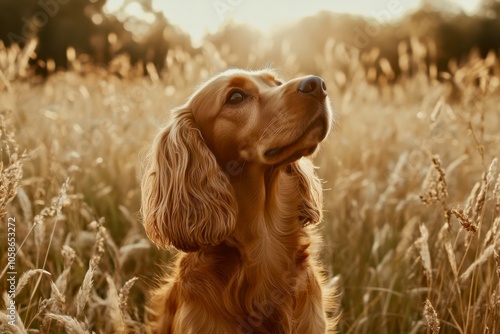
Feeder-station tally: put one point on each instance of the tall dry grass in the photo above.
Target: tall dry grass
(412, 206)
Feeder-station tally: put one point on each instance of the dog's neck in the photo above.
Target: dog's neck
(268, 227)
(272, 244)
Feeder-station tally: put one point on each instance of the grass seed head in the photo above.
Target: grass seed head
(431, 317)
(464, 220)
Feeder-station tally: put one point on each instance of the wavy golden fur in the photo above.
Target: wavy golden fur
(228, 184)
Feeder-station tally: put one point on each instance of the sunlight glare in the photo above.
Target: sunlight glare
(202, 17)
(134, 9)
(469, 6)
(113, 6)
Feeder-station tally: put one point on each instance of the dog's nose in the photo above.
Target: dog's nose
(313, 86)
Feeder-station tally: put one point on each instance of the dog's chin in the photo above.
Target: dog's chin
(305, 145)
(288, 154)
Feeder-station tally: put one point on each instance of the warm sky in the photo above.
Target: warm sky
(197, 17)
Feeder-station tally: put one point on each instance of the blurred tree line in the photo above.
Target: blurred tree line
(442, 38)
(83, 25)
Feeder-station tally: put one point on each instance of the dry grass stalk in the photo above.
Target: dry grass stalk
(497, 262)
(456, 163)
(100, 240)
(394, 180)
(124, 292)
(5, 320)
(57, 300)
(492, 171)
(496, 196)
(23, 280)
(431, 194)
(450, 252)
(437, 109)
(486, 180)
(25, 204)
(406, 239)
(10, 175)
(423, 249)
(72, 325)
(429, 177)
(492, 235)
(62, 199)
(39, 225)
(435, 185)
(442, 186)
(479, 261)
(472, 197)
(5, 327)
(56, 208)
(85, 290)
(481, 198)
(115, 310)
(69, 255)
(479, 146)
(430, 315)
(464, 220)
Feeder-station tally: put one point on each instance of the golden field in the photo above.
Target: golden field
(411, 178)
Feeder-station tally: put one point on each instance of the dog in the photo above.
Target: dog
(228, 184)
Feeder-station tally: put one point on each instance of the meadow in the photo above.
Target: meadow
(411, 178)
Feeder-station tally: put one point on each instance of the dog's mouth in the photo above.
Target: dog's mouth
(278, 151)
(274, 152)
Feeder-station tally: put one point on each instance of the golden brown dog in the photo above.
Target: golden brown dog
(227, 183)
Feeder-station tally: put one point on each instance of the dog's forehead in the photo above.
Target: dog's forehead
(252, 82)
(240, 78)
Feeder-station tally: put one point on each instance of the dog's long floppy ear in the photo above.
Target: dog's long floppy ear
(187, 200)
(311, 192)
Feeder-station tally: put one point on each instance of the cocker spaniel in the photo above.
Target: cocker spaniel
(229, 185)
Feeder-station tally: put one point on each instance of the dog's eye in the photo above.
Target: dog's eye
(236, 97)
(278, 82)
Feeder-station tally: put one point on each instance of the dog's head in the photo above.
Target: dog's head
(236, 119)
